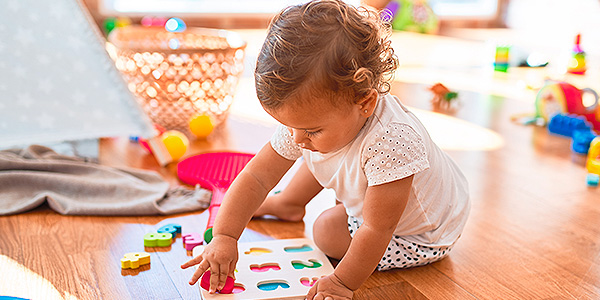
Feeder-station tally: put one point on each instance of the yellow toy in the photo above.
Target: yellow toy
(201, 126)
(134, 260)
(176, 143)
(593, 160)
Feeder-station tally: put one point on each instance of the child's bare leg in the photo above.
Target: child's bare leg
(289, 204)
(330, 232)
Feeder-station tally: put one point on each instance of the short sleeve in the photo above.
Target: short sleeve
(392, 153)
(283, 143)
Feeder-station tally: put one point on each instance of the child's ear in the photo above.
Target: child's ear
(367, 104)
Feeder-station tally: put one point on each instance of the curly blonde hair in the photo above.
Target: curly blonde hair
(326, 48)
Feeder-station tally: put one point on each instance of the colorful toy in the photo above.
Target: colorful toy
(593, 159)
(300, 265)
(442, 96)
(214, 171)
(170, 146)
(191, 240)
(155, 239)
(134, 260)
(413, 15)
(582, 140)
(565, 125)
(502, 58)
(592, 179)
(227, 289)
(176, 143)
(577, 61)
(172, 228)
(561, 97)
(201, 126)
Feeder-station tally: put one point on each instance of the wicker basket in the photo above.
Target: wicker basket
(179, 75)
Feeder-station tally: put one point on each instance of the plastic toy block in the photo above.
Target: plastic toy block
(565, 125)
(154, 239)
(172, 228)
(592, 179)
(205, 283)
(191, 240)
(582, 140)
(134, 260)
(593, 160)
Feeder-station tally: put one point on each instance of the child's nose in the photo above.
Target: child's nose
(298, 136)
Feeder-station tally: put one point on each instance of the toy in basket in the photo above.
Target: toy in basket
(179, 75)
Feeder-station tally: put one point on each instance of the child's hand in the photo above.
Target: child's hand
(220, 256)
(329, 288)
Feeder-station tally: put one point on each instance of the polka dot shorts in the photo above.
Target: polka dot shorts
(402, 254)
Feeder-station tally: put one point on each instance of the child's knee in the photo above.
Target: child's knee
(330, 232)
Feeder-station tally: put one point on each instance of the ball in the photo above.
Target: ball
(201, 126)
(176, 143)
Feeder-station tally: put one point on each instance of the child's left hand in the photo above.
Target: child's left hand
(330, 288)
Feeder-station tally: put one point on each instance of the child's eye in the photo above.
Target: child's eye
(310, 134)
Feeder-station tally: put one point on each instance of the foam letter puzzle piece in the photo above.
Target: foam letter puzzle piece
(172, 228)
(191, 240)
(154, 239)
(205, 283)
(134, 260)
(286, 283)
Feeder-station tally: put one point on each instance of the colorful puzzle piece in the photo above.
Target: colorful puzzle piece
(155, 239)
(172, 228)
(134, 260)
(191, 240)
(227, 289)
(277, 269)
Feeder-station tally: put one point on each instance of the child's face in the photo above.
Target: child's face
(318, 125)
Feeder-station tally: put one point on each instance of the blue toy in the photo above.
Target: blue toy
(582, 140)
(172, 228)
(592, 179)
(565, 125)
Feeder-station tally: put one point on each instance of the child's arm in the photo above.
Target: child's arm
(382, 209)
(243, 197)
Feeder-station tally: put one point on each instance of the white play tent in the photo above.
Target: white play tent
(57, 83)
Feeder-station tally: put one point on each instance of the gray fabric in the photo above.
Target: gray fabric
(72, 186)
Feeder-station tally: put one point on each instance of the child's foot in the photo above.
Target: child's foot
(281, 208)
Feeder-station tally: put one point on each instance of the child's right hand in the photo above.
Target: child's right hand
(220, 256)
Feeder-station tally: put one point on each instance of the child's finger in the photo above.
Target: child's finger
(222, 278)
(312, 292)
(202, 267)
(214, 278)
(194, 261)
(232, 270)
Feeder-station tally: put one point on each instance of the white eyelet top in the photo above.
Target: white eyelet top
(392, 145)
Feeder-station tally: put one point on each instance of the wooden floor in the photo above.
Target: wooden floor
(533, 232)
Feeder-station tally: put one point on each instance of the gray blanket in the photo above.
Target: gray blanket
(73, 186)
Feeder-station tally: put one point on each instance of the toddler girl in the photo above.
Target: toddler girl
(323, 73)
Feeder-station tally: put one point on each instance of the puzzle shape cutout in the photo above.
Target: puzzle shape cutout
(277, 269)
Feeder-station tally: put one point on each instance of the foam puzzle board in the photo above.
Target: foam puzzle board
(284, 269)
